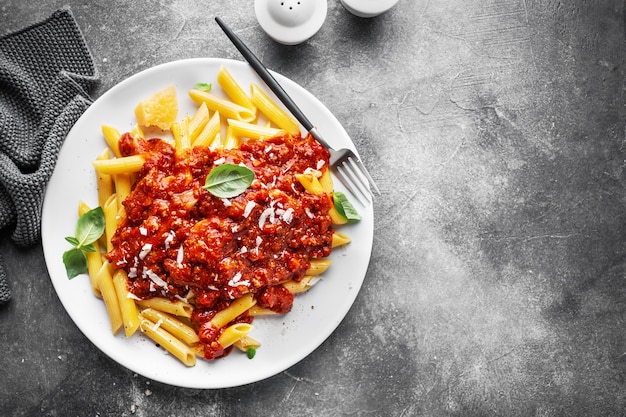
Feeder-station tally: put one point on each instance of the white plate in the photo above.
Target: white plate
(285, 339)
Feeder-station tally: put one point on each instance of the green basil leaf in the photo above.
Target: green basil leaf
(73, 241)
(345, 207)
(228, 180)
(90, 227)
(203, 86)
(75, 262)
(89, 248)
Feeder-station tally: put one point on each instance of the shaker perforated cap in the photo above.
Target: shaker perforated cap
(291, 22)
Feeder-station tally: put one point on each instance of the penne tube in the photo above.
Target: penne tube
(177, 308)
(112, 138)
(198, 121)
(180, 131)
(318, 266)
(233, 333)
(273, 112)
(336, 217)
(310, 183)
(121, 165)
(234, 310)
(230, 140)
(94, 263)
(233, 90)
(305, 284)
(170, 343)
(225, 107)
(137, 132)
(104, 182)
(209, 131)
(173, 325)
(339, 239)
(122, 188)
(110, 219)
(94, 259)
(246, 342)
(326, 181)
(130, 316)
(107, 289)
(251, 130)
(256, 310)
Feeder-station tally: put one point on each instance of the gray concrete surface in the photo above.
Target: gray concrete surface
(496, 287)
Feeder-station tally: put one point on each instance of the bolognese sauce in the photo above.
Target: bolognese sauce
(177, 240)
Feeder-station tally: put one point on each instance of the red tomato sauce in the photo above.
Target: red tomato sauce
(178, 239)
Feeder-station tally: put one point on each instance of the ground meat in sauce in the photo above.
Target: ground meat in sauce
(178, 234)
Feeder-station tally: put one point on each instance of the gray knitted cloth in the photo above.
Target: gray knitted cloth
(46, 76)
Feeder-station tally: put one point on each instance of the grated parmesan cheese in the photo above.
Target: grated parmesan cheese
(234, 280)
(179, 256)
(249, 207)
(268, 212)
(157, 325)
(145, 250)
(287, 216)
(183, 299)
(132, 296)
(219, 161)
(169, 239)
(154, 278)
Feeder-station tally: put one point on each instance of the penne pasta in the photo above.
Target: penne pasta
(94, 259)
(234, 333)
(107, 289)
(318, 266)
(130, 316)
(208, 133)
(256, 310)
(137, 132)
(236, 308)
(339, 239)
(273, 112)
(251, 130)
(104, 181)
(177, 308)
(326, 181)
(225, 107)
(112, 138)
(230, 140)
(180, 130)
(122, 188)
(121, 165)
(310, 183)
(198, 121)
(305, 284)
(173, 325)
(233, 90)
(169, 342)
(110, 218)
(247, 342)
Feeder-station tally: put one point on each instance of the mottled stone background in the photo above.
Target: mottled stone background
(495, 129)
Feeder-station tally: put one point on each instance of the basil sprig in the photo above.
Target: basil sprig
(206, 87)
(345, 207)
(228, 180)
(89, 228)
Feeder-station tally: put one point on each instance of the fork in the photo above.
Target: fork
(347, 166)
